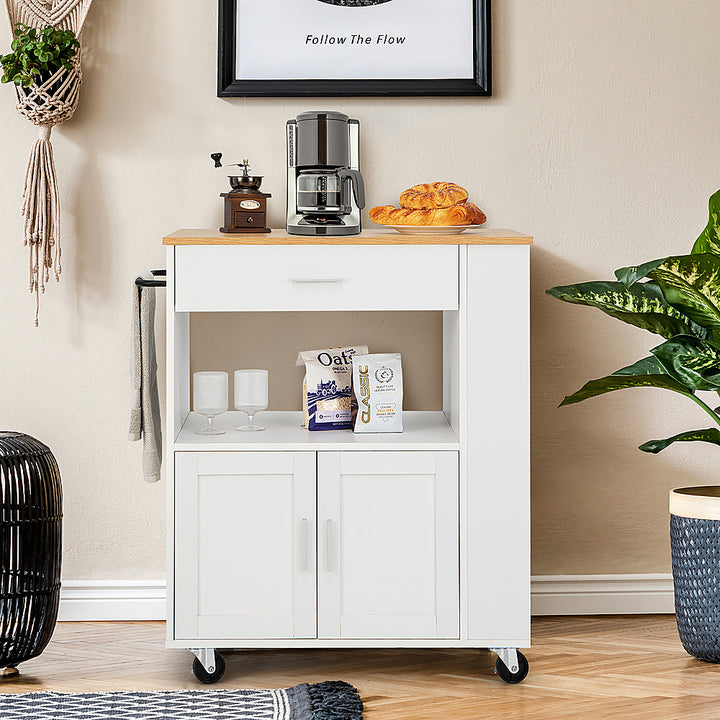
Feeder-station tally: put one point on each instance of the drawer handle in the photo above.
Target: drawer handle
(316, 280)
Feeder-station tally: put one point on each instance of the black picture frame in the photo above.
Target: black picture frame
(230, 86)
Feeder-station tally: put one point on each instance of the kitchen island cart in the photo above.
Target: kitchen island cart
(289, 538)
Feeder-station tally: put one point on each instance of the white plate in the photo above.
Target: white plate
(429, 229)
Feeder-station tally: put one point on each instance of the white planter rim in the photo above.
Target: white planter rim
(702, 502)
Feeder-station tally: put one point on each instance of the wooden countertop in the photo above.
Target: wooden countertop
(472, 236)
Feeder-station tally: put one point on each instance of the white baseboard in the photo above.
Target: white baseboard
(650, 593)
(551, 595)
(112, 600)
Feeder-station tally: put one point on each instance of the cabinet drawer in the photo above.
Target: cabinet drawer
(316, 277)
(249, 219)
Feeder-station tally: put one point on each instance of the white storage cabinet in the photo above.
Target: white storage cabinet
(288, 538)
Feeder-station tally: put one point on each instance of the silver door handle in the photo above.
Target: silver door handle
(316, 280)
(304, 546)
(329, 547)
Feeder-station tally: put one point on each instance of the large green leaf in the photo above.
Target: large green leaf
(709, 240)
(692, 361)
(691, 284)
(642, 305)
(621, 382)
(711, 435)
(628, 276)
(647, 366)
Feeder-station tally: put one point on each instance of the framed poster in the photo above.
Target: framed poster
(350, 48)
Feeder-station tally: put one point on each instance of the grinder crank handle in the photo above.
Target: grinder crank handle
(218, 156)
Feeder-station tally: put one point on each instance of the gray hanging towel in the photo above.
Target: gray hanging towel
(145, 411)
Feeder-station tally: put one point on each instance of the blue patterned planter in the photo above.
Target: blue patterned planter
(695, 547)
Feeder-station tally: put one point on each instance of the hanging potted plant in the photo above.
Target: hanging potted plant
(677, 298)
(38, 54)
(44, 67)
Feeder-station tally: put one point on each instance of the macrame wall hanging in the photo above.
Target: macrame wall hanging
(49, 102)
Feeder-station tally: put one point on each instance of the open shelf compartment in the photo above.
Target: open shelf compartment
(423, 430)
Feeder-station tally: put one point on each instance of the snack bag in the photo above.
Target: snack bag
(377, 383)
(327, 388)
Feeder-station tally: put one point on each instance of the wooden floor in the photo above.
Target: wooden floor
(581, 668)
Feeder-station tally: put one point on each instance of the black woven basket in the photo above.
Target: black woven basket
(30, 547)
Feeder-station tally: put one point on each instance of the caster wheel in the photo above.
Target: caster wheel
(204, 676)
(509, 677)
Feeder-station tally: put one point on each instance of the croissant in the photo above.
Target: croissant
(461, 214)
(479, 218)
(430, 196)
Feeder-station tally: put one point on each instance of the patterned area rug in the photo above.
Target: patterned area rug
(323, 701)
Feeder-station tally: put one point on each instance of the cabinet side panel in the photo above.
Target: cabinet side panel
(451, 369)
(185, 560)
(178, 356)
(498, 444)
(169, 450)
(454, 351)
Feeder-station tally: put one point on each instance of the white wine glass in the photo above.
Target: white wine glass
(210, 398)
(251, 395)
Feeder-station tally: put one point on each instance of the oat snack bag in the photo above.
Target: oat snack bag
(377, 383)
(327, 389)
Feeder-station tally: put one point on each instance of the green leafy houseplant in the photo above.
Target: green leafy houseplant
(37, 54)
(677, 298)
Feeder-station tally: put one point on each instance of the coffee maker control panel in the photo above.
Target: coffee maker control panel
(291, 133)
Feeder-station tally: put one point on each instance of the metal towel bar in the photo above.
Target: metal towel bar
(154, 282)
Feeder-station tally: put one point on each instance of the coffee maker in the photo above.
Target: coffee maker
(325, 188)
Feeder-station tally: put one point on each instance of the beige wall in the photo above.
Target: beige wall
(601, 140)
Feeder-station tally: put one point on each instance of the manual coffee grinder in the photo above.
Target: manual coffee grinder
(325, 188)
(245, 205)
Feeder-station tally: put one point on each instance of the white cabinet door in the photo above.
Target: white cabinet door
(388, 545)
(245, 545)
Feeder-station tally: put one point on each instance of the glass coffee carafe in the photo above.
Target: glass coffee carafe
(328, 191)
(320, 191)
